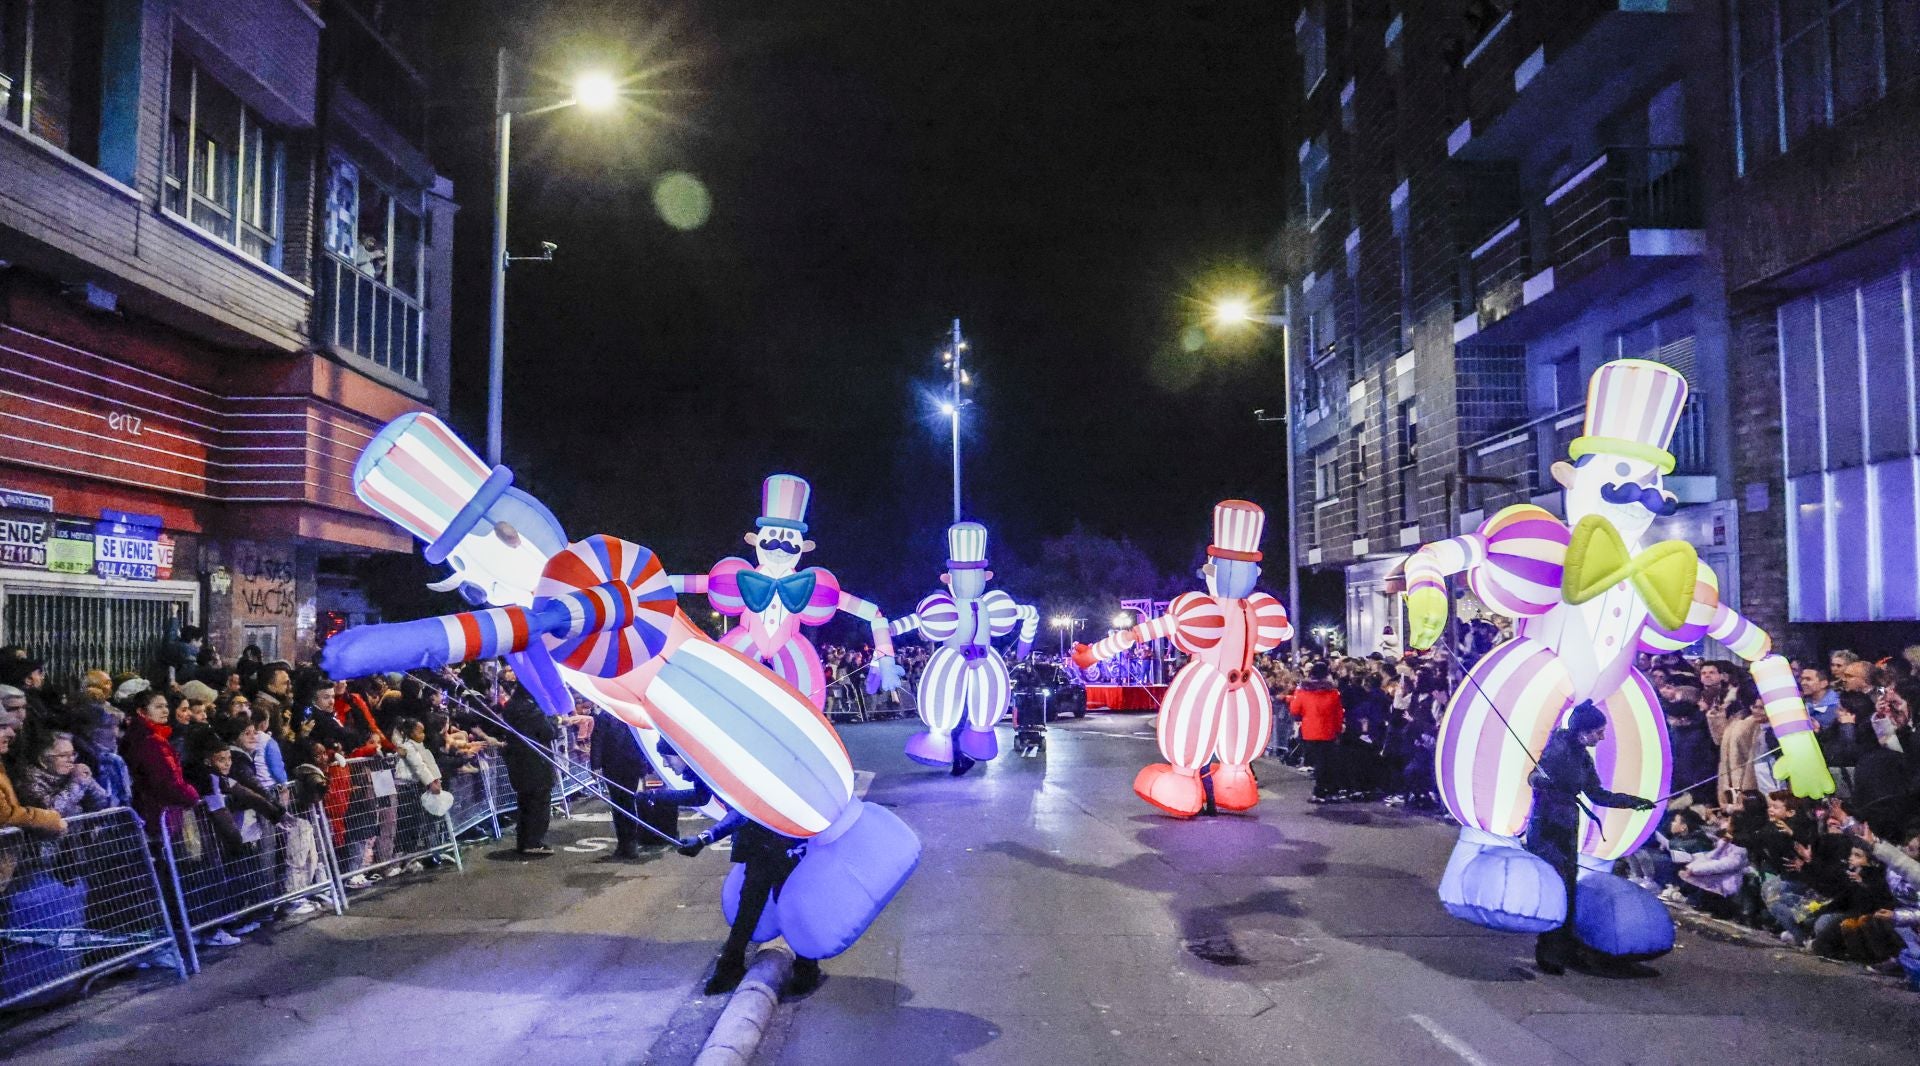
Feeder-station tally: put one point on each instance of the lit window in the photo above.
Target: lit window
(225, 166)
(1310, 38)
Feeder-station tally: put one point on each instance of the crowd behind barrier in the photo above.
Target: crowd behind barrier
(144, 817)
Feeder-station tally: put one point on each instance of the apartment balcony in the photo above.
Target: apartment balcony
(1627, 218)
(358, 314)
(1525, 453)
(1564, 64)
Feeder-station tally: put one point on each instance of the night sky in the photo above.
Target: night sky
(1067, 177)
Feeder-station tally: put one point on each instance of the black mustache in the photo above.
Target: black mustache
(780, 546)
(1649, 497)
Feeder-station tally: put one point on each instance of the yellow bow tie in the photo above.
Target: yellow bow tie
(1664, 574)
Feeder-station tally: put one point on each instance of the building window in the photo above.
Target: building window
(51, 53)
(373, 271)
(1310, 38)
(1569, 388)
(1326, 474)
(1314, 162)
(1848, 410)
(1800, 64)
(226, 167)
(1409, 431)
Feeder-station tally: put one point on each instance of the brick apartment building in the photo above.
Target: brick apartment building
(223, 265)
(1499, 197)
(1818, 225)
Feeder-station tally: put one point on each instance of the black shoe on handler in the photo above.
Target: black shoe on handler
(806, 977)
(727, 974)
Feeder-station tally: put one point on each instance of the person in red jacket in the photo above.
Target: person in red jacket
(1317, 704)
(160, 789)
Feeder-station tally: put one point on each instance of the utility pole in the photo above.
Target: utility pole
(959, 345)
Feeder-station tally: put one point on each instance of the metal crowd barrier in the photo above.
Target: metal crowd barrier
(225, 865)
(385, 824)
(472, 799)
(79, 905)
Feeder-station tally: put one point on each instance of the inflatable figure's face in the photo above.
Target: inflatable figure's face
(967, 584)
(1230, 579)
(496, 564)
(1629, 493)
(777, 550)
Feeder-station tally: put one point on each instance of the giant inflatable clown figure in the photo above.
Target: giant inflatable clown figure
(1218, 703)
(600, 615)
(965, 680)
(774, 597)
(1587, 595)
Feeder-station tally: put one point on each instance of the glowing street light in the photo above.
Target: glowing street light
(1066, 624)
(1235, 311)
(1123, 620)
(946, 408)
(592, 91)
(595, 91)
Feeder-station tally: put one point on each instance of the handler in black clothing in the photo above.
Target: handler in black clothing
(530, 772)
(1564, 773)
(615, 754)
(769, 858)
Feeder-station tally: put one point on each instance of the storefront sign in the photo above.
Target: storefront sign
(23, 541)
(127, 546)
(71, 549)
(16, 500)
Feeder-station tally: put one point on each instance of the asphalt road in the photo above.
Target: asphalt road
(1054, 919)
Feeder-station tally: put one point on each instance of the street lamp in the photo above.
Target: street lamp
(592, 91)
(951, 358)
(1235, 311)
(1066, 625)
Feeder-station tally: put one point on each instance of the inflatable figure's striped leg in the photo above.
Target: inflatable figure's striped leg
(987, 690)
(798, 665)
(1188, 730)
(1482, 763)
(1634, 758)
(942, 697)
(1495, 727)
(1612, 915)
(1246, 723)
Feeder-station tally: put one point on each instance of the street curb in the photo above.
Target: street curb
(736, 1036)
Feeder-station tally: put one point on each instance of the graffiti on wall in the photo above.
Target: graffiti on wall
(263, 584)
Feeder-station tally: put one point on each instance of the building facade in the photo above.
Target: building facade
(223, 265)
(1502, 196)
(1817, 221)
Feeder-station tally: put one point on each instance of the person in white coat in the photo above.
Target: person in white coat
(415, 766)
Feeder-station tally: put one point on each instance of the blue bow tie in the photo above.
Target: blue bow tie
(757, 589)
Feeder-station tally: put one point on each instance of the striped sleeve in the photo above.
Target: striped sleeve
(723, 586)
(1780, 695)
(870, 614)
(1029, 623)
(1272, 628)
(1434, 563)
(1701, 615)
(1517, 561)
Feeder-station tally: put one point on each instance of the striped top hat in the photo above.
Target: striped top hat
(783, 502)
(966, 546)
(1237, 526)
(417, 473)
(1633, 406)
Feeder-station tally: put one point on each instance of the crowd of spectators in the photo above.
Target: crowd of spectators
(271, 739)
(193, 744)
(1839, 877)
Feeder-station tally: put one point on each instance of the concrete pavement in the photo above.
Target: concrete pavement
(1055, 919)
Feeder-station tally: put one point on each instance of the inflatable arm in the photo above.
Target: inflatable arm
(1427, 573)
(1029, 628)
(1115, 643)
(870, 614)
